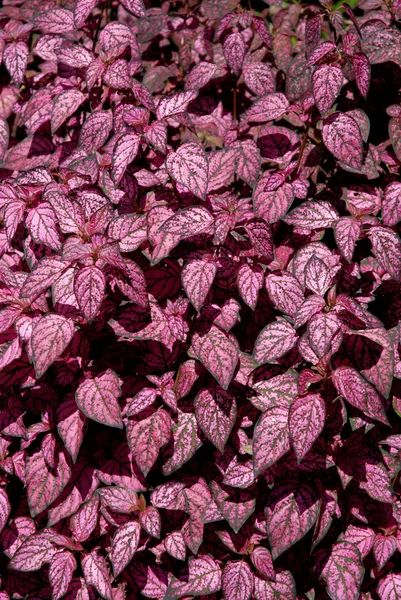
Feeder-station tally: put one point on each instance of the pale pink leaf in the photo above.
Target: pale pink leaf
(361, 66)
(283, 587)
(305, 422)
(65, 104)
(234, 49)
(200, 75)
(95, 130)
(50, 337)
(386, 247)
(124, 152)
(327, 81)
(343, 572)
(175, 545)
(218, 352)
(62, 566)
(275, 340)
(15, 58)
(342, 136)
(347, 231)
(55, 20)
(259, 78)
(185, 442)
(321, 330)
(237, 581)
(216, 412)
(96, 574)
(147, 436)
(4, 137)
(89, 290)
(97, 398)
(168, 106)
(189, 167)
(250, 282)
(124, 545)
(267, 108)
(359, 393)
(312, 214)
(70, 426)
(32, 554)
(82, 10)
(271, 438)
(389, 587)
(197, 277)
(41, 222)
(5, 508)
(43, 275)
(43, 484)
(285, 293)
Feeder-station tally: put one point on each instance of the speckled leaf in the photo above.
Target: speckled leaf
(5, 508)
(218, 352)
(43, 275)
(321, 330)
(389, 587)
(70, 426)
(234, 49)
(236, 505)
(347, 231)
(44, 485)
(381, 372)
(359, 393)
(263, 562)
(237, 581)
(50, 337)
(305, 423)
(95, 130)
(342, 136)
(188, 222)
(259, 78)
(204, 579)
(62, 567)
(275, 340)
(271, 438)
(250, 282)
(386, 247)
(343, 572)
(124, 152)
(169, 106)
(89, 289)
(282, 588)
(327, 81)
(175, 545)
(285, 292)
(317, 276)
(361, 66)
(55, 20)
(185, 442)
(4, 136)
(313, 214)
(383, 549)
(15, 58)
(96, 573)
(197, 277)
(32, 554)
(124, 545)
(64, 105)
(189, 167)
(216, 412)
(267, 108)
(277, 391)
(98, 399)
(391, 204)
(147, 436)
(200, 75)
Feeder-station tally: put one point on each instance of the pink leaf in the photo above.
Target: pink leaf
(124, 152)
(156, 135)
(285, 293)
(343, 572)
(32, 554)
(250, 282)
(96, 574)
(82, 10)
(169, 106)
(327, 81)
(124, 545)
(95, 130)
(267, 108)
(55, 20)
(263, 562)
(42, 226)
(150, 521)
(98, 399)
(175, 545)
(342, 136)
(147, 436)
(386, 247)
(44, 274)
(200, 75)
(185, 442)
(389, 587)
(216, 413)
(383, 549)
(136, 7)
(271, 438)
(44, 485)
(197, 277)
(237, 581)
(312, 214)
(234, 49)
(70, 426)
(361, 65)
(275, 340)
(236, 505)
(62, 566)
(5, 508)
(277, 391)
(347, 231)
(204, 579)
(15, 58)
(282, 587)
(391, 204)
(218, 352)
(4, 137)
(305, 423)
(259, 78)
(50, 337)
(322, 328)
(189, 167)
(65, 104)
(359, 393)
(89, 289)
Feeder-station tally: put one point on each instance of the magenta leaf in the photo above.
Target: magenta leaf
(275, 340)
(4, 137)
(50, 337)
(267, 108)
(55, 20)
(259, 78)
(347, 231)
(82, 10)
(189, 167)
(277, 391)
(216, 413)
(176, 104)
(317, 276)
(185, 442)
(147, 436)
(32, 554)
(342, 136)
(96, 574)
(237, 581)
(97, 398)
(5, 508)
(327, 81)
(234, 49)
(312, 214)
(343, 572)
(285, 293)
(322, 329)
(89, 289)
(383, 549)
(291, 511)
(359, 393)
(263, 562)
(95, 131)
(282, 587)
(200, 75)
(64, 105)
(124, 545)
(15, 58)
(271, 438)
(250, 282)
(70, 427)
(62, 567)
(46, 272)
(361, 66)
(188, 222)
(305, 422)
(197, 277)
(45, 484)
(204, 579)
(124, 152)
(175, 545)
(389, 587)
(150, 521)
(218, 352)
(386, 247)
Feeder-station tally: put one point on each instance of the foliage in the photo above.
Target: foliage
(200, 278)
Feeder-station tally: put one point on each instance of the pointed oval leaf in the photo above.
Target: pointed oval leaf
(169, 106)
(44, 485)
(305, 423)
(175, 545)
(97, 398)
(342, 136)
(95, 130)
(124, 545)
(50, 337)
(185, 444)
(327, 81)
(282, 587)
(358, 392)
(389, 587)
(124, 152)
(32, 554)
(43, 275)
(188, 222)
(62, 567)
(189, 167)
(65, 105)
(96, 573)
(216, 412)
(347, 231)
(147, 436)
(275, 340)
(285, 292)
(267, 108)
(218, 352)
(386, 247)
(89, 289)
(250, 282)
(197, 277)
(313, 214)
(343, 572)
(234, 49)
(5, 508)
(271, 438)
(237, 581)
(4, 137)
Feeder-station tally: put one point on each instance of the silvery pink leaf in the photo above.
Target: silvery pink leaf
(359, 393)
(69, 215)
(271, 438)
(200, 75)
(124, 545)
(394, 128)
(261, 238)
(285, 293)
(291, 511)
(267, 108)
(236, 505)
(50, 337)
(70, 426)
(189, 167)
(313, 31)
(347, 231)
(275, 340)
(9, 352)
(375, 480)
(218, 352)
(96, 574)
(44, 485)
(55, 20)
(175, 545)
(282, 587)
(32, 554)
(82, 10)
(204, 579)
(129, 230)
(64, 105)
(147, 436)
(5, 508)
(185, 442)
(305, 422)
(391, 204)
(84, 521)
(239, 474)
(250, 282)
(168, 495)
(192, 532)
(124, 153)
(95, 130)
(150, 521)
(151, 579)
(97, 398)
(261, 27)
(248, 161)
(169, 106)
(156, 135)
(263, 562)
(383, 549)
(362, 536)
(46, 272)
(141, 401)
(386, 247)
(4, 137)
(361, 66)
(234, 49)
(136, 7)
(277, 391)
(343, 572)
(197, 277)
(41, 222)
(15, 58)
(222, 164)
(119, 499)
(115, 37)
(327, 81)
(389, 587)
(321, 330)
(312, 214)
(62, 566)
(187, 375)
(216, 413)
(380, 372)
(89, 289)
(317, 276)
(259, 78)
(342, 136)
(74, 56)
(237, 581)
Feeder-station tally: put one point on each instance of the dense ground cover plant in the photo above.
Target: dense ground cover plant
(200, 280)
